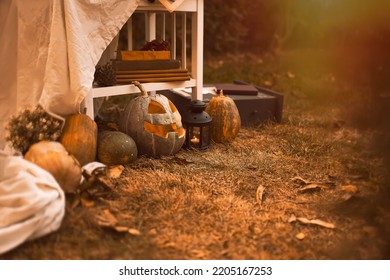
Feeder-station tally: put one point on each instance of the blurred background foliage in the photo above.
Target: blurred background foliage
(271, 26)
(348, 39)
(352, 36)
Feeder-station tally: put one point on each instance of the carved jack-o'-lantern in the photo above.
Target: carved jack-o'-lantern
(154, 123)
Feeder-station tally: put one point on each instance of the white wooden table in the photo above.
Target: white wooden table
(193, 8)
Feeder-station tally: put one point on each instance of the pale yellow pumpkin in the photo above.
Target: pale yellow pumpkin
(54, 158)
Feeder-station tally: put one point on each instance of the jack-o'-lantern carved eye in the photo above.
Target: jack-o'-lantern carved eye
(155, 108)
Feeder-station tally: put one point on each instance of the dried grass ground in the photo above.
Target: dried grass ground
(238, 200)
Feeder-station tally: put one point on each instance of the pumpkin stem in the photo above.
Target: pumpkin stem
(220, 93)
(141, 88)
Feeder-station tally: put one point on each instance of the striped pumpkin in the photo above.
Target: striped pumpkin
(226, 118)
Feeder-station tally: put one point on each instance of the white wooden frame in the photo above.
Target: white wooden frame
(193, 7)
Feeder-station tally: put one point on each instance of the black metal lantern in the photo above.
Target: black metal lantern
(197, 124)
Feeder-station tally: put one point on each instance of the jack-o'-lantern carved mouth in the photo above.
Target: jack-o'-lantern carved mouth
(155, 108)
(163, 130)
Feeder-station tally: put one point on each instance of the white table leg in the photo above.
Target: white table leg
(197, 50)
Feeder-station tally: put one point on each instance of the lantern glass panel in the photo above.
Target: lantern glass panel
(205, 136)
(195, 132)
(194, 137)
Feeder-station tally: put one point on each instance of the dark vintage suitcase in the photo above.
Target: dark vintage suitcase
(265, 106)
(237, 89)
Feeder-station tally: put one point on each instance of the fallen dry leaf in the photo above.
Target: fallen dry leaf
(168, 245)
(253, 166)
(85, 199)
(94, 177)
(350, 188)
(121, 229)
(106, 219)
(347, 196)
(134, 231)
(310, 187)
(300, 236)
(116, 171)
(316, 222)
(300, 179)
(86, 202)
(292, 218)
(290, 75)
(259, 194)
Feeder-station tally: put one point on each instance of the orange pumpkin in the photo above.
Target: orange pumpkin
(226, 118)
(79, 137)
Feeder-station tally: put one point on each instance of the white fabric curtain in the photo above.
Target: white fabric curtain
(49, 50)
(48, 53)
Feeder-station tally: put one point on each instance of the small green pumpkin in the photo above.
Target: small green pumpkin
(115, 147)
(226, 119)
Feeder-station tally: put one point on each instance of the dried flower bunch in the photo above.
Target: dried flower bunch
(156, 45)
(31, 126)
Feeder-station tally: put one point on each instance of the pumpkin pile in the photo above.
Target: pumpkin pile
(59, 146)
(149, 124)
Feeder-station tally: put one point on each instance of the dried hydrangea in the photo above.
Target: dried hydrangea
(31, 126)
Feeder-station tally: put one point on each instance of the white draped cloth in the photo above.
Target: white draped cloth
(49, 50)
(48, 53)
(32, 204)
